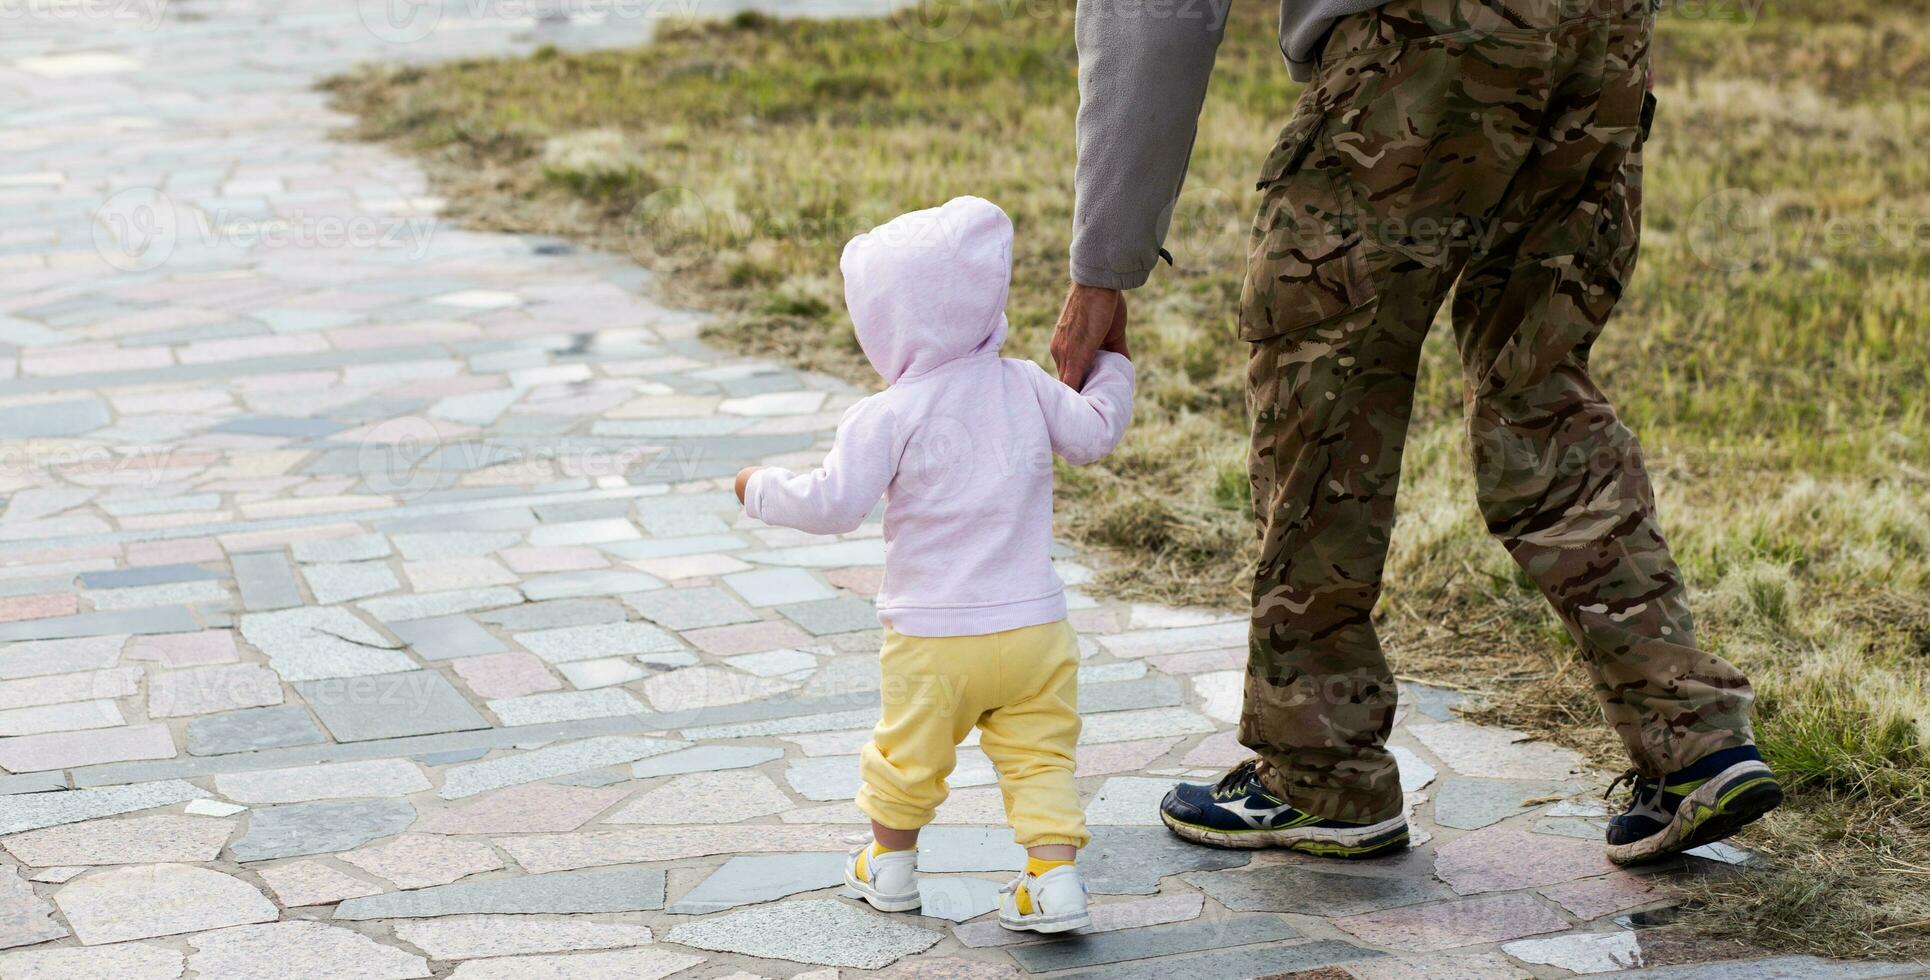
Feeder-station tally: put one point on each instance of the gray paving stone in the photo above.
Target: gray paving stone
(553, 614)
(822, 931)
(554, 760)
(571, 585)
(671, 547)
(1137, 944)
(706, 758)
(753, 878)
(159, 619)
(571, 643)
(148, 575)
(152, 596)
(1776, 968)
(453, 544)
(956, 898)
(1147, 692)
(425, 605)
(1429, 701)
(266, 581)
(953, 849)
(417, 702)
(844, 614)
(1470, 804)
(588, 891)
(446, 637)
(451, 756)
(1234, 964)
(251, 730)
(1286, 888)
(53, 419)
(536, 709)
(321, 643)
(32, 811)
(333, 582)
(1131, 860)
(778, 587)
(355, 547)
(319, 828)
(257, 425)
(689, 609)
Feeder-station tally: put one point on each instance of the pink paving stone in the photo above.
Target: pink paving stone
(422, 860)
(25, 918)
(542, 853)
(177, 650)
(1220, 749)
(530, 808)
(1090, 620)
(1501, 858)
(461, 384)
(1200, 661)
(38, 606)
(181, 552)
(532, 560)
(89, 358)
(386, 335)
(1111, 757)
(204, 690)
(254, 540)
(726, 641)
(63, 750)
(312, 882)
(447, 574)
(505, 675)
(1592, 898)
(864, 580)
(280, 345)
(1462, 922)
(17, 559)
(690, 566)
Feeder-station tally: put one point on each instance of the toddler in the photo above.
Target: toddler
(960, 448)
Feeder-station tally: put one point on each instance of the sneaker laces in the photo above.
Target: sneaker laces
(1235, 778)
(1640, 787)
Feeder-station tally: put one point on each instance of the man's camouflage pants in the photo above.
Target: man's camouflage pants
(1494, 148)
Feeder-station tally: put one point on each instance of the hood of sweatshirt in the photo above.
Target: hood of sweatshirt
(929, 287)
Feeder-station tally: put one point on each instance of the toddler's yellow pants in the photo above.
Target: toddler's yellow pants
(1020, 688)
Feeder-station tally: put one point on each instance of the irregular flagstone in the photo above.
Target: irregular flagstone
(927, 967)
(280, 949)
(1438, 966)
(1592, 898)
(330, 781)
(419, 860)
(75, 716)
(553, 613)
(142, 901)
(1134, 944)
(312, 882)
(539, 853)
(1128, 800)
(555, 760)
(1131, 860)
(1127, 726)
(1462, 922)
(1415, 773)
(315, 643)
(202, 690)
(1581, 952)
(1776, 968)
(954, 897)
(43, 657)
(706, 758)
(319, 828)
(67, 750)
(1286, 888)
(32, 811)
(424, 605)
(1503, 858)
(337, 582)
(466, 937)
(528, 808)
(153, 839)
(599, 890)
(177, 650)
(687, 609)
(505, 675)
(821, 931)
(126, 961)
(722, 797)
(630, 964)
(25, 918)
(750, 879)
(1102, 760)
(537, 709)
(87, 685)
(1109, 917)
(252, 729)
(446, 637)
(1470, 804)
(1496, 753)
(393, 705)
(567, 643)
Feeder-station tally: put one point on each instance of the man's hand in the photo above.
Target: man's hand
(744, 479)
(1094, 319)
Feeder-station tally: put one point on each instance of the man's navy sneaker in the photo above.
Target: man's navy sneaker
(1706, 801)
(1238, 811)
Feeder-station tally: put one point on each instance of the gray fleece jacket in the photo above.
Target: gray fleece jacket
(1143, 67)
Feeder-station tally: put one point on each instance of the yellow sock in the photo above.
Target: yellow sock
(1038, 866)
(877, 848)
(863, 869)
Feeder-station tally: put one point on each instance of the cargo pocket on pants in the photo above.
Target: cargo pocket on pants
(1304, 262)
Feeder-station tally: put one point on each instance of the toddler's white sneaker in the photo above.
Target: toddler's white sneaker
(887, 880)
(1051, 902)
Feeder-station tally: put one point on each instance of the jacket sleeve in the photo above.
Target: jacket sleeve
(835, 497)
(1085, 425)
(1143, 70)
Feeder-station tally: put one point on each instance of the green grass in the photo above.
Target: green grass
(1777, 372)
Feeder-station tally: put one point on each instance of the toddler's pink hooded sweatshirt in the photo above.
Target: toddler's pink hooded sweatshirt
(960, 445)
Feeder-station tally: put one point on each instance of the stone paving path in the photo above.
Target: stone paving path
(372, 604)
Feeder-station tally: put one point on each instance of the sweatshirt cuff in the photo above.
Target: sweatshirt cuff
(754, 493)
(1107, 360)
(1086, 275)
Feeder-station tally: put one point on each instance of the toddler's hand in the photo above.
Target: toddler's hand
(743, 479)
